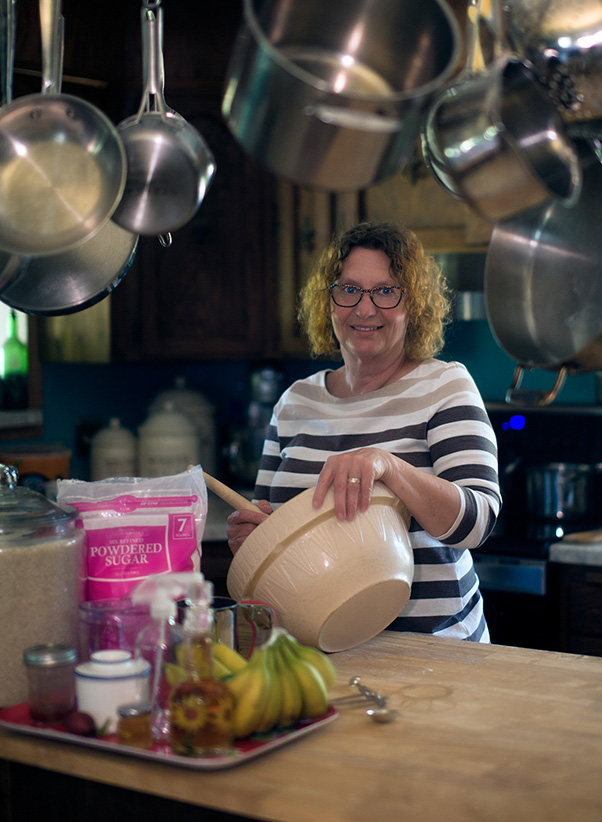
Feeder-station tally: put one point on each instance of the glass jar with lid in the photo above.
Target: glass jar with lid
(50, 673)
(42, 579)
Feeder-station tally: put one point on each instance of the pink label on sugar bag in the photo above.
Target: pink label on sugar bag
(119, 557)
(137, 527)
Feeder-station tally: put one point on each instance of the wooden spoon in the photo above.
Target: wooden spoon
(230, 496)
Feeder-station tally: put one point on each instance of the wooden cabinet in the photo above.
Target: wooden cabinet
(414, 198)
(306, 219)
(212, 293)
(579, 593)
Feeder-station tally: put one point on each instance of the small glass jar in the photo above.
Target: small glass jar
(134, 725)
(51, 682)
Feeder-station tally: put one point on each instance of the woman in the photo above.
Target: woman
(390, 413)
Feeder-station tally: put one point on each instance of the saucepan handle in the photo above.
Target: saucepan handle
(153, 71)
(358, 120)
(50, 13)
(525, 396)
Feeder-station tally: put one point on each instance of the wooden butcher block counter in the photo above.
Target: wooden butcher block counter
(484, 733)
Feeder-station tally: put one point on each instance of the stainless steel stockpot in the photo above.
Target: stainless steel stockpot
(543, 287)
(563, 492)
(331, 95)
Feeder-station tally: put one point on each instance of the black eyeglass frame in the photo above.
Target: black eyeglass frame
(362, 291)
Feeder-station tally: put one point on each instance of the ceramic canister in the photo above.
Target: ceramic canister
(109, 679)
(168, 443)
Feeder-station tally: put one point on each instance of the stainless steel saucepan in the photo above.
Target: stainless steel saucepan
(62, 163)
(482, 50)
(170, 166)
(500, 144)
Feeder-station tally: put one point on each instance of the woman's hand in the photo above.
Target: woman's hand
(435, 503)
(242, 522)
(352, 475)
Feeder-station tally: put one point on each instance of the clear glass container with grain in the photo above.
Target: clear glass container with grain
(42, 579)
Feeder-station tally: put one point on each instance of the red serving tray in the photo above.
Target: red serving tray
(17, 718)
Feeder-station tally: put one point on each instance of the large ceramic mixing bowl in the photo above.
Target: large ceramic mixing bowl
(332, 584)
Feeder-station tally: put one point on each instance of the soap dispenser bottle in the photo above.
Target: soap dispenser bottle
(161, 642)
(200, 707)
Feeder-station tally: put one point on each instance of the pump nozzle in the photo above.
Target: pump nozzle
(162, 590)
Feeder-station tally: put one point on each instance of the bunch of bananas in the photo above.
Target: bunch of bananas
(282, 682)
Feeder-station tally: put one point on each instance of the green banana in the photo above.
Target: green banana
(313, 688)
(292, 699)
(314, 656)
(271, 712)
(250, 690)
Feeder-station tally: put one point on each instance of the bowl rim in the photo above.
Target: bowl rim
(380, 494)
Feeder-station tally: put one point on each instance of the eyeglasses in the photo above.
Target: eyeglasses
(383, 296)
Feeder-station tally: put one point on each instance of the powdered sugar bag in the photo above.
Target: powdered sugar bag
(137, 526)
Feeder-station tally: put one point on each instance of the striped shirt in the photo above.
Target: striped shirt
(433, 418)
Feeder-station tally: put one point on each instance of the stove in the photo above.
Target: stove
(512, 565)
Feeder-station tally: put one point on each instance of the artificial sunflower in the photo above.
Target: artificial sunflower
(190, 713)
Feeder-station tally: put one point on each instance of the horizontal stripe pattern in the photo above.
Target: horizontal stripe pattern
(434, 419)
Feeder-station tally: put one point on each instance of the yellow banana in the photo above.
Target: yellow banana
(220, 670)
(292, 700)
(228, 657)
(177, 673)
(313, 688)
(316, 657)
(250, 690)
(273, 704)
(174, 674)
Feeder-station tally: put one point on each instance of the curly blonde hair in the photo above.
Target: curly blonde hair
(427, 297)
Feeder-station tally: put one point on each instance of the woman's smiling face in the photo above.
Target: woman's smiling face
(365, 330)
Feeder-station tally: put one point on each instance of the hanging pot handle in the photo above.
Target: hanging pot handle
(525, 396)
(358, 120)
(50, 15)
(153, 72)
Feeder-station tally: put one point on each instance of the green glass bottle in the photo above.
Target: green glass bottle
(13, 368)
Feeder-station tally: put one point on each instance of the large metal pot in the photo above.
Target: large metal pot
(543, 287)
(331, 95)
(563, 492)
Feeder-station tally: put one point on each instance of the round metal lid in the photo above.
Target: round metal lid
(24, 510)
(46, 656)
